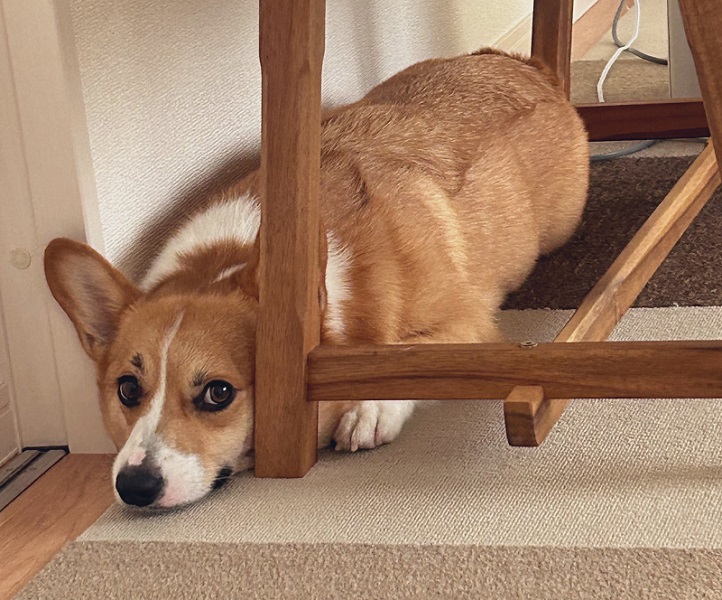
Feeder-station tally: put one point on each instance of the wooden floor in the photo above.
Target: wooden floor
(53, 511)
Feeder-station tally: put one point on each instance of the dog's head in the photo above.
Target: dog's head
(175, 373)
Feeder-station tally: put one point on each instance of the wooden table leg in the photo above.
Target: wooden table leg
(703, 26)
(291, 51)
(551, 38)
(529, 415)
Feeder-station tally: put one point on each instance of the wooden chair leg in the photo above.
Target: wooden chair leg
(551, 38)
(291, 50)
(528, 414)
(703, 25)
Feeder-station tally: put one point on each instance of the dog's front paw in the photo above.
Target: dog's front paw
(370, 424)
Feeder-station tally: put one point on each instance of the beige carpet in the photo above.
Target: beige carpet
(624, 500)
(653, 33)
(629, 80)
(200, 571)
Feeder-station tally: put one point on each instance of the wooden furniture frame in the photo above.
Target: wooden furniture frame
(293, 372)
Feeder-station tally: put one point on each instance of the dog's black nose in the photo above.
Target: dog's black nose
(139, 485)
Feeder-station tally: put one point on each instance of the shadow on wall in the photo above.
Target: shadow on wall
(380, 37)
(151, 236)
(172, 91)
(172, 99)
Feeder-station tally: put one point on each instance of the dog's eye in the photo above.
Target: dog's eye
(216, 395)
(129, 390)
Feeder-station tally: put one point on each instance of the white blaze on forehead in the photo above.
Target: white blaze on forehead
(144, 432)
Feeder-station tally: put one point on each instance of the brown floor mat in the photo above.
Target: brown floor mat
(623, 193)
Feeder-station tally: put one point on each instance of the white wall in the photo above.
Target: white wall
(172, 91)
(9, 438)
(683, 80)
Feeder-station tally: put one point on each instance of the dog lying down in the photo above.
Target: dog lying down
(439, 191)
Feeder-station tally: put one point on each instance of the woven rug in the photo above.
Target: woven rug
(623, 193)
(624, 500)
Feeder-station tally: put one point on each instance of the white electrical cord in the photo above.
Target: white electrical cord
(617, 54)
(600, 84)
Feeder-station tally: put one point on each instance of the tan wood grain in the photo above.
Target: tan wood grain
(703, 23)
(525, 414)
(50, 513)
(490, 371)
(291, 50)
(551, 38)
(616, 291)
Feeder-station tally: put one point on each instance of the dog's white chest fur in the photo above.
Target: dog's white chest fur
(239, 220)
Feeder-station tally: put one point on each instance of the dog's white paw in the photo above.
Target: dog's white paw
(370, 424)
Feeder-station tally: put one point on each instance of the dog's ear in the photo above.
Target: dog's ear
(249, 276)
(91, 291)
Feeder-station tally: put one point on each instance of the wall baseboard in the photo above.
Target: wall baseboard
(588, 29)
(518, 38)
(593, 25)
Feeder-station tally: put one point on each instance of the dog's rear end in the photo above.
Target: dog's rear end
(444, 184)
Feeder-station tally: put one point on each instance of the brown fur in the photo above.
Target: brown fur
(444, 183)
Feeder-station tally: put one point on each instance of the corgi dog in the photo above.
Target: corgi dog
(439, 191)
